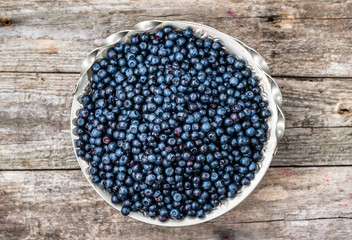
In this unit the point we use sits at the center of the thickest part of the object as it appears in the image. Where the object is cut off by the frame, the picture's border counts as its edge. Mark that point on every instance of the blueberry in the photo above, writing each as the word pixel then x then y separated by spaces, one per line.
pixel 79 131
pixel 102 73
pixel 245 181
pixel 221 190
pixel 207 207
pixel 95 179
pixel 245 161
pixel 206 185
pixel 93 171
pixel 169 43
pixel 264 113
pixel 197 192
pixel 148 192
pixel 250 131
pixel 216 45
pixel 256 156
pixel 101 103
pixel 151 214
pixel 96 67
pixel 174 213
pixel 188 32
pixel 200 213
pixel 118 47
pixel 80 153
pixel 108 183
pixel 132 63
pixel 123 190
pixel 249 176
pixel 80 122
pixel 221 111
pixel 111 53
pixel 142 70
pixel 125 211
pixel 193 52
pixel 162 218
pixel 177 197
pixel 239 64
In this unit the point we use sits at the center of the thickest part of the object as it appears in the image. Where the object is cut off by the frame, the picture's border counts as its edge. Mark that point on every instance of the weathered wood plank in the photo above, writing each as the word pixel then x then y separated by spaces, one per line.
pixel 338 229
pixel 309 203
pixel 34 125
pixel 316 102
pixel 315 146
pixel 314 9
pixel 297 38
pixel 35 109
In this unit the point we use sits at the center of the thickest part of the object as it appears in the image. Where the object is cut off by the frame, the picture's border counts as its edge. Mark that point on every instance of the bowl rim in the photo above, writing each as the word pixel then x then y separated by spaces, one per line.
pixel 269 91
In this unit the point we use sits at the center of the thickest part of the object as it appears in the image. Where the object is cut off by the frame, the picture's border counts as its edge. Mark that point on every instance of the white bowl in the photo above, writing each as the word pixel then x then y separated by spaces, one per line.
pixel 269 91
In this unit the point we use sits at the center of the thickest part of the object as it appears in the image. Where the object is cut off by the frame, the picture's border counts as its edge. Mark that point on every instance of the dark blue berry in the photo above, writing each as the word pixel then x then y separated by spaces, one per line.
pixel 174 213
pixel 111 53
pixel 80 122
pixel 177 197
pixel 188 32
pixel 200 213
pixel 96 67
pixel 125 211
pixel 239 64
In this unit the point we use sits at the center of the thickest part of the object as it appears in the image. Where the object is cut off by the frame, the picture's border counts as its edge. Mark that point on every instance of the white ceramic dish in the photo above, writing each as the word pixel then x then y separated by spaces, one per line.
pixel 269 88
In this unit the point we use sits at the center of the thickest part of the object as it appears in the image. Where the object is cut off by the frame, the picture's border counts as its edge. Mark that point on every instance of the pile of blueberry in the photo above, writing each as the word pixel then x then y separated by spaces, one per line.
pixel 173 124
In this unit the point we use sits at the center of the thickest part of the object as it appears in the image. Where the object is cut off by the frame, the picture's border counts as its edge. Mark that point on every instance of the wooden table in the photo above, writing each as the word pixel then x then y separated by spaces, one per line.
pixel 307 193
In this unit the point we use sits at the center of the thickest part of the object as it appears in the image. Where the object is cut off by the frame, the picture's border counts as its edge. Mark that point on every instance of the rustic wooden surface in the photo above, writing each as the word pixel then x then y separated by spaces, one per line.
pixel 307 194
pixel 292 198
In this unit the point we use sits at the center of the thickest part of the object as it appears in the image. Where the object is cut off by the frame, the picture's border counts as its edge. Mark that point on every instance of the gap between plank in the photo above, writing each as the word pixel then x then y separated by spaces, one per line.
pixel 310 166
pixel 78 169
pixel 285 220
pixel 164 17
pixel 304 78
pixel 313 127
pixel 39 170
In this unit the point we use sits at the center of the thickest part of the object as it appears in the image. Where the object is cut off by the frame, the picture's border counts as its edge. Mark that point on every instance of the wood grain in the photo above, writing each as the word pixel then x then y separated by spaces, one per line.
pixel 314 9
pixel 316 102
pixel 34 123
pixel 315 146
pixel 35 111
pixel 288 203
pixel 334 228
pixel 307 45
pixel 297 38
